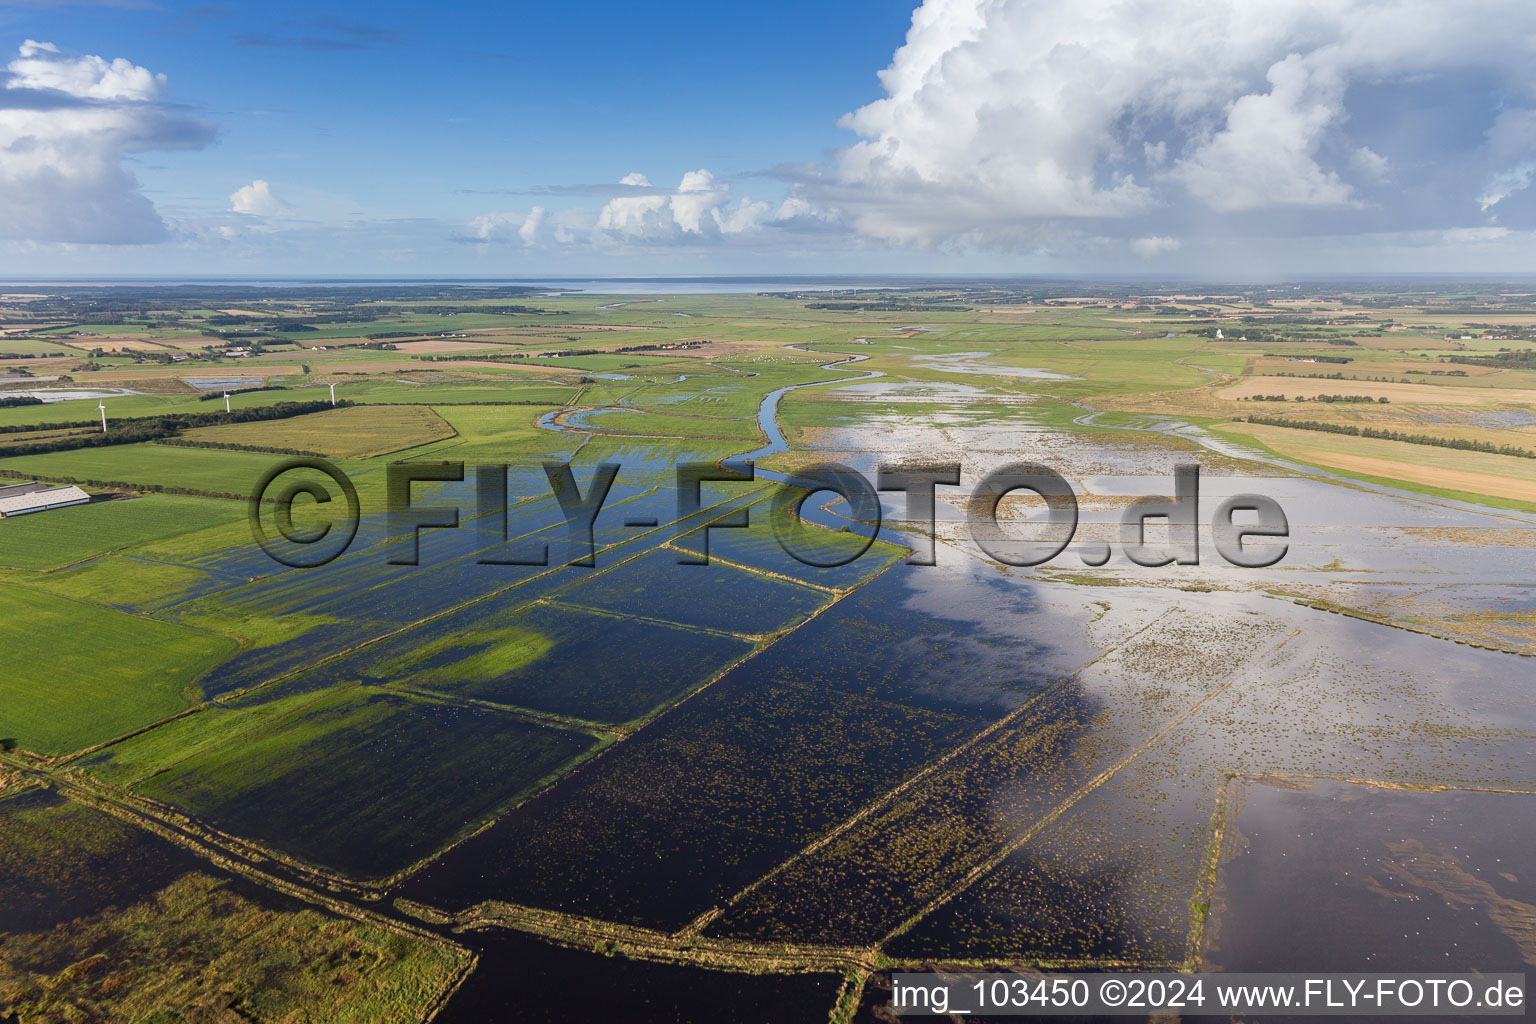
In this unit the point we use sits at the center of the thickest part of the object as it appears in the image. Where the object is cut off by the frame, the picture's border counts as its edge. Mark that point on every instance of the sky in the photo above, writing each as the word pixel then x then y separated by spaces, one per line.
pixel 1226 139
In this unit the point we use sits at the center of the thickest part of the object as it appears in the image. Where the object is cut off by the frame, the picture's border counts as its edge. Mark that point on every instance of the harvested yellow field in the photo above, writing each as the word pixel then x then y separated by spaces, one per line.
pixel 359 432
pixel 1415 394
pixel 1449 479
pixel 1500 476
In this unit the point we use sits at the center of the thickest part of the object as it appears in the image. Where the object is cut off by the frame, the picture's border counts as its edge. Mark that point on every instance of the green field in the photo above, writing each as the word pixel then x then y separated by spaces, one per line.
pixel 78 674
pixel 360 432
pixel 123 580
pixel 47 540
pixel 202 470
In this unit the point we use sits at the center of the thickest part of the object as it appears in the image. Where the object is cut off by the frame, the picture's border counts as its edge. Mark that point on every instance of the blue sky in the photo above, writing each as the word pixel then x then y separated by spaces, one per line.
pixel 402 106
pixel 860 137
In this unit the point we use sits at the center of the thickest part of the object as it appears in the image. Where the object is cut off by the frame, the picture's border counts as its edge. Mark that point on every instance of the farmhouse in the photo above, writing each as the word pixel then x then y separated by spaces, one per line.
pixel 19 499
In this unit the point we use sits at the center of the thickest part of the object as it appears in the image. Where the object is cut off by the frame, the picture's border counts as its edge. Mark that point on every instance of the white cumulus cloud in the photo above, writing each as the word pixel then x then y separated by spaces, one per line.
pixel 67 122
pixel 1008 121
pixel 501 226
pixel 699 208
pixel 529 229
pixel 256 200
pixel 697 194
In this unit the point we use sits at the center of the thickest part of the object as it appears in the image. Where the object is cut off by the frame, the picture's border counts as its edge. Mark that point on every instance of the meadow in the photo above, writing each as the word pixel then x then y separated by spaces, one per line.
pixel 360 432
pixel 69 535
pixel 80 673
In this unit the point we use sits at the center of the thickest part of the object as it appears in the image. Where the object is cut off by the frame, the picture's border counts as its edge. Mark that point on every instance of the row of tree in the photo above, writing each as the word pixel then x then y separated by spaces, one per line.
pixel 228 446
pixel 1524 358
pixel 1461 444
pixel 499 357
pixel 1319 398
pixel 121 485
pixel 156 428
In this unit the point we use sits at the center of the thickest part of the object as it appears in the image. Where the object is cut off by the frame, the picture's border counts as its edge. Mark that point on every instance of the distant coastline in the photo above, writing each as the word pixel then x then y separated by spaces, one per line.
pixel 589 285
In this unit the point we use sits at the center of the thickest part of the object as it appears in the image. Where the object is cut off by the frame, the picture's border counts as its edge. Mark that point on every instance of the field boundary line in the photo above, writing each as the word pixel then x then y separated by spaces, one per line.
pixel 986 866
pixel 920 777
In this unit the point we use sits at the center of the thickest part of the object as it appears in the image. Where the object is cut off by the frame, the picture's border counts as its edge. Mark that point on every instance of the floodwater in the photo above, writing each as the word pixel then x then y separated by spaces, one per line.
pixel 978 363
pixel 1321 875
pixel 217 383
pixel 71 394
pixel 521 978
pixel 1184 672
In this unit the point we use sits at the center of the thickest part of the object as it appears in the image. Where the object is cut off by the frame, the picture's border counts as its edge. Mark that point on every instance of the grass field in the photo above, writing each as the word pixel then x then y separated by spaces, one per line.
pixel 30 347
pixel 47 540
pixel 360 432
pixel 197 469
pixel 78 674
pixel 493 433
pixel 125 581
pixel 452 393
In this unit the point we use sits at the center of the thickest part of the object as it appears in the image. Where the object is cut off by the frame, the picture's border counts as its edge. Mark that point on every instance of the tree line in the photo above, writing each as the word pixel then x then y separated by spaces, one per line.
pixel 120 485
pixel 1319 398
pixel 1519 358
pixel 230 446
pixel 156 428
pixel 497 357
pixel 1461 444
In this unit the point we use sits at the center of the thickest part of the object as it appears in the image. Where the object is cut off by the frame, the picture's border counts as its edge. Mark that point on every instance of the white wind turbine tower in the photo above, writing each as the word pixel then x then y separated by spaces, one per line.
pixel 226 401
pixel 103 408
pixel 333 394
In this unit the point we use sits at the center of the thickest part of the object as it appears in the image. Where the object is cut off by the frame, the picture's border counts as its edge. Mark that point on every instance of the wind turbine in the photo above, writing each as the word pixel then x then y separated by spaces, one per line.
pixel 333 394
pixel 226 401
pixel 103 408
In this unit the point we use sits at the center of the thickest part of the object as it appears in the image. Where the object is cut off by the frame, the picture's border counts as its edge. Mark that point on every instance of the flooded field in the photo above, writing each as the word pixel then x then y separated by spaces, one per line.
pixel 565 982
pixel 367 782
pixel 1436 881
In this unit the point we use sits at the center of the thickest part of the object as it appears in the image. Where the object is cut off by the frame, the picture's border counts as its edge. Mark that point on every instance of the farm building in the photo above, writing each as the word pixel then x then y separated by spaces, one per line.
pixel 20 499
